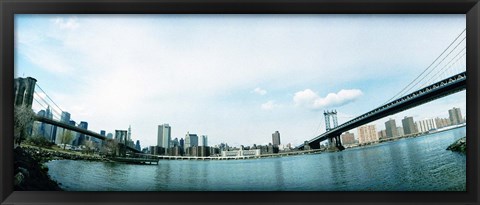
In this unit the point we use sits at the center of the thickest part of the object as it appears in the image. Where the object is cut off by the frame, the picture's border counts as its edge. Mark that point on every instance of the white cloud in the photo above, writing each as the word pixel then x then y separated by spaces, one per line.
pixel 309 99
pixel 260 91
pixel 270 105
pixel 69 23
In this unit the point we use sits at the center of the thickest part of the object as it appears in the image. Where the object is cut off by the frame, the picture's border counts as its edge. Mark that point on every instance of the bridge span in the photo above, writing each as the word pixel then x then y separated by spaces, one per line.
pixel 431 92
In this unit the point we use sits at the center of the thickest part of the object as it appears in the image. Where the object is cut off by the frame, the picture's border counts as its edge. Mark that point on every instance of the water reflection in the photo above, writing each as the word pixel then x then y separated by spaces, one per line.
pixel 420 163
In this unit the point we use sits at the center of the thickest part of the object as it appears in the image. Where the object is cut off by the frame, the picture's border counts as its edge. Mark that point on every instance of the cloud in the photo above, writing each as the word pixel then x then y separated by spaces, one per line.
pixel 270 105
pixel 312 100
pixel 68 24
pixel 260 91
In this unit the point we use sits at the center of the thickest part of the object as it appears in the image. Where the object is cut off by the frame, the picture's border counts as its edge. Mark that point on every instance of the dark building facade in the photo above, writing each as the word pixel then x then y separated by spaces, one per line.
pixel 391 128
pixel 409 126
pixel 455 116
pixel 276 138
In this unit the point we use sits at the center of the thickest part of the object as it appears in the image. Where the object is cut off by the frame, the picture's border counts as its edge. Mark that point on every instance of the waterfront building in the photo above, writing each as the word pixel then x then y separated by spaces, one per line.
pixel 241 153
pixel 182 143
pixel 391 128
pixel 24 89
pixel 191 140
pixel 442 122
pixel 455 116
pixel 276 138
pixel 400 131
pixel 382 134
pixel 204 140
pixel 367 134
pixel 426 125
pixel 347 138
pixel 409 126
pixel 164 136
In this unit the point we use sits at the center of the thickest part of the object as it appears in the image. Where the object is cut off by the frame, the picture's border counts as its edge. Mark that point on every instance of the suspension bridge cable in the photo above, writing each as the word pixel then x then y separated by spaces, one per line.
pixel 427 67
pixel 48 104
pixel 449 65
pixel 434 67
pixel 49 97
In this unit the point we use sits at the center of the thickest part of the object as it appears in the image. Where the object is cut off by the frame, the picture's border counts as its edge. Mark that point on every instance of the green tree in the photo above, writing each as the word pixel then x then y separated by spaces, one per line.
pixel 23 121
pixel 67 137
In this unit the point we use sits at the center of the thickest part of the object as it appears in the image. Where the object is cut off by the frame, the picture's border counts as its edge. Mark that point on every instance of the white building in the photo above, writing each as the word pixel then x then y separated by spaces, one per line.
pixel 426 125
pixel 164 136
pixel 241 153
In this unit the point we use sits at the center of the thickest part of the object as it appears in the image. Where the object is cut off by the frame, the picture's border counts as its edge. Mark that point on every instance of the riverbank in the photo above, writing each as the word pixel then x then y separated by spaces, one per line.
pixel 459 146
pixel 30 173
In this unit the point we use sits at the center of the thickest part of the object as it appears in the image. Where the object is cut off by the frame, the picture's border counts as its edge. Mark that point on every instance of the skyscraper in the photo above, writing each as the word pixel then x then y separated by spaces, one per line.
pixel 137 145
pixel 102 132
pixel 276 138
pixel 80 139
pixel 164 136
pixel 408 126
pixel 190 140
pixel 204 140
pixel 367 133
pixel 129 134
pixel 391 128
pixel 455 116
pixel 182 143
pixel 65 118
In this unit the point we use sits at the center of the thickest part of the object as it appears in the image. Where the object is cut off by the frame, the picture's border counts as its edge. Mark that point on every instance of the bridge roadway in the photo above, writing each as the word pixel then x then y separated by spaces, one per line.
pixel 434 91
pixel 79 130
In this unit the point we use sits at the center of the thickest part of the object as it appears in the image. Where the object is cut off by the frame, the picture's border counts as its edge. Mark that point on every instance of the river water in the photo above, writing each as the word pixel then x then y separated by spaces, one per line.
pixel 414 164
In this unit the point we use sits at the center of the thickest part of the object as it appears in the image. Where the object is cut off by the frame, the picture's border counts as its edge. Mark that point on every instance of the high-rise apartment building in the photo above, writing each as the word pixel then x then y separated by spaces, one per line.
pixel 409 126
pixel 455 116
pixel 190 140
pixel 164 136
pixel 426 125
pixel 442 122
pixel 347 138
pixel 276 138
pixel 367 133
pixel 391 128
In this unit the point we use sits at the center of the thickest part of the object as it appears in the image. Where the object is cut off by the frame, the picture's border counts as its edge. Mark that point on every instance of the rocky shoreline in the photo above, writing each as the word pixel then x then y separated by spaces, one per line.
pixel 30 173
pixel 459 146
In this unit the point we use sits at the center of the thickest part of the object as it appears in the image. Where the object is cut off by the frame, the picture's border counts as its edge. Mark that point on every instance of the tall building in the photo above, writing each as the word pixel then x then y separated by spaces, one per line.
pixel 190 140
pixel 102 132
pixel 367 133
pixel 137 145
pixel 24 89
pixel 400 131
pixel 80 138
pixel 110 135
pixel 391 128
pixel 182 143
pixel 65 118
pixel 455 116
pixel 204 140
pixel 409 126
pixel 129 134
pixel 347 138
pixel 276 138
pixel 426 125
pixel 164 136
pixel 442 122
pixel 50 130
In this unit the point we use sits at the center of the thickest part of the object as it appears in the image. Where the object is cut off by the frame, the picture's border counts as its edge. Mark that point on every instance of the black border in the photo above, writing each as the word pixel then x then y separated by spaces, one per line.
pixel 10 7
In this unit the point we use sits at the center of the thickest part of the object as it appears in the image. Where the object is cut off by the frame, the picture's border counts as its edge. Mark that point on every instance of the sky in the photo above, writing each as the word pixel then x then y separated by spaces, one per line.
pixel 235 78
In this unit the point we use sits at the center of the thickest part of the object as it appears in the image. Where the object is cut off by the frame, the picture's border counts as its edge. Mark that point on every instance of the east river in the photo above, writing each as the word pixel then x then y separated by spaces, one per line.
pixel 413 164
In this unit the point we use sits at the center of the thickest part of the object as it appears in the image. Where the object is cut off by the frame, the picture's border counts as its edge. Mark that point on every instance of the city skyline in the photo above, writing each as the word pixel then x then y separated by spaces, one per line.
pixel 218 93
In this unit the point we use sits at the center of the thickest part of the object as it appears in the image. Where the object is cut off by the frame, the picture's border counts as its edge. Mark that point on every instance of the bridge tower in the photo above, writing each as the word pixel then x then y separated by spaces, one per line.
pixel 334 141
